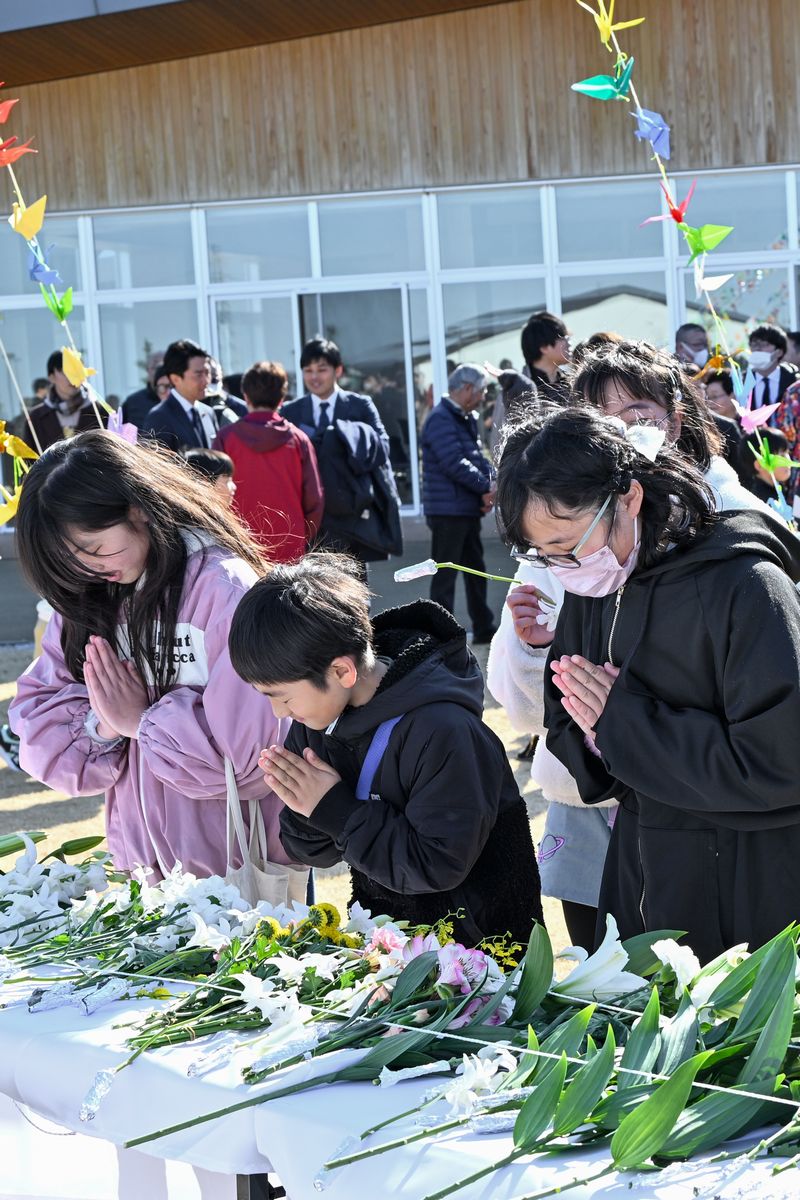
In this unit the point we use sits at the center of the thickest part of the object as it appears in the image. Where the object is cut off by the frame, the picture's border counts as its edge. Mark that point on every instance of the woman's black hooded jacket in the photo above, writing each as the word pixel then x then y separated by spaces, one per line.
pixel 445 827
pixel 698 737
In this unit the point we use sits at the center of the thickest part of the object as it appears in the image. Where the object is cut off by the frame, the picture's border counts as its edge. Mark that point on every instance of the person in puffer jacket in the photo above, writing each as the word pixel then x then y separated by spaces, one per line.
pixel 133 694
pixel 388 765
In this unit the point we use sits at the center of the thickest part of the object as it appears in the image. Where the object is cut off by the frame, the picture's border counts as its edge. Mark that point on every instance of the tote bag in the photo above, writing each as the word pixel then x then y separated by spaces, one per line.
pixel 257 878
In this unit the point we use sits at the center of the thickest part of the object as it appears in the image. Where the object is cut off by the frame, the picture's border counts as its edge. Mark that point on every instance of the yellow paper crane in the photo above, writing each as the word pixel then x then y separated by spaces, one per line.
pixel 28 220
pixel 8 509
pixel 13 445
pixel 73 367
pixel 604 20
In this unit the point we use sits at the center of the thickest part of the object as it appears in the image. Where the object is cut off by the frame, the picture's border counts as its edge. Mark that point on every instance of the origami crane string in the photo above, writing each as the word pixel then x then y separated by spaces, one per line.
pixel 652 127
pixel 20 397
pixel 27 221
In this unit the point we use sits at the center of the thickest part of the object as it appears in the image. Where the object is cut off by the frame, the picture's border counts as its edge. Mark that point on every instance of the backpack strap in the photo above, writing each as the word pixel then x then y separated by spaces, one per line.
pixel 372 760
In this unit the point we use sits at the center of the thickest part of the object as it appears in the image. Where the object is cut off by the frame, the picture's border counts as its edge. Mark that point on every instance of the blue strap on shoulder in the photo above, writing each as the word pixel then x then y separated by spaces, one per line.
pixel 372 760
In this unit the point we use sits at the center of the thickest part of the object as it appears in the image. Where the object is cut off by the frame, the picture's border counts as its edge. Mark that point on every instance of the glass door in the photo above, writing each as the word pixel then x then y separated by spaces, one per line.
pixel 254 328
pixel 371 328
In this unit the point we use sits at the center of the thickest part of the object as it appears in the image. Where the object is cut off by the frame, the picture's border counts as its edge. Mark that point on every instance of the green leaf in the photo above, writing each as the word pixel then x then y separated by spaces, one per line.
pixel 770 1050
pixel 739 982
pixel 537 1111
pixel 715 1118
pixel 616 1106
pixel 527 1065
pixel 412 977
pixel 778 966
pixel 586 1089
pixel 12 843
pixel 678 1038
pixel 536 976
pixel 66 304
pixel 80 845
pixel 488 1010
pixel 641 960
pixel 644 1131
pixel 566 1038
pixel 643 1045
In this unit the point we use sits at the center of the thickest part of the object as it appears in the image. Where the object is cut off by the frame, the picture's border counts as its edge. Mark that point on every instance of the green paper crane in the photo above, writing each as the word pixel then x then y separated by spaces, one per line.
pixel 769 461
pixel 705 238
pixel 608 87
pixel 60 306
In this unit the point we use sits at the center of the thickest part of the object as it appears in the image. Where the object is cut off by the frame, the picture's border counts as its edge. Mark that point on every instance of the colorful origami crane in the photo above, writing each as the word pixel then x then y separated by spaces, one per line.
pixel 608 87
pixel 769 461
pixel 604 20
pixel 123 429
pixel 708 283
pixel 60 306
pixel 706 238
pixel 652 128
pixel 743 393
pixel 8 509
pixel 778 505
pixel 11 444
pixel 5 109
pixel 74 368
pixel 40 272
pixel 10 151
pixel 27 220
pixel 676 211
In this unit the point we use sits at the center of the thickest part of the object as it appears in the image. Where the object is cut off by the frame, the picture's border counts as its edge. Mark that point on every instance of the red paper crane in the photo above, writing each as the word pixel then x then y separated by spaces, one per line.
pixel 6 107
pixel 10 151
pixel 676 211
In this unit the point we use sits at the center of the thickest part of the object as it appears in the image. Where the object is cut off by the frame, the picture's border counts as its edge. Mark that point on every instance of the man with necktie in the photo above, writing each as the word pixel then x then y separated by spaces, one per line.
pixel 777 382
pixel 182 421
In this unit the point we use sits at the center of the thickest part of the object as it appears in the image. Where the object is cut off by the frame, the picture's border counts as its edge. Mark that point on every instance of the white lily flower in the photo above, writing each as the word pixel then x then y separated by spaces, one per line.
pixel 257 993
pixel 207 937
pixel 359 920
pixel 681 959
pixel 601 976
pixel 476 1077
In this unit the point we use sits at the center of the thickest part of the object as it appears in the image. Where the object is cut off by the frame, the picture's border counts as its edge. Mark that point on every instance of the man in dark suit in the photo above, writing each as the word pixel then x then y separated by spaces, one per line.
pixel 183 421
pixel 65 410
pixel 361 514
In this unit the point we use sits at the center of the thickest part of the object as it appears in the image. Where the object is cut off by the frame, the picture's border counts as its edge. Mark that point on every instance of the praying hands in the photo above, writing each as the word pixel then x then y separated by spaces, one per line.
pixel 586 687
pixel 116 692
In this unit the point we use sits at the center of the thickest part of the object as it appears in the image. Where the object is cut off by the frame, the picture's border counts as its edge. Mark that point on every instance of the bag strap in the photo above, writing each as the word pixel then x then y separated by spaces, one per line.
pixel 376 751
pixel 254 848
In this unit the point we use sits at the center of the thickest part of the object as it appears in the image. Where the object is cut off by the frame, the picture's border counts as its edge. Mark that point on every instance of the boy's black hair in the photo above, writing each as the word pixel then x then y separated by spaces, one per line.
pixel 40 383
pixel 541 329
pixel 320 347
pixel 54 363
pixel 724 378
pixel 177 355
pixel 211 464
pixel 773 334
pixel 689 327
pixel 292 624
pixel 794 336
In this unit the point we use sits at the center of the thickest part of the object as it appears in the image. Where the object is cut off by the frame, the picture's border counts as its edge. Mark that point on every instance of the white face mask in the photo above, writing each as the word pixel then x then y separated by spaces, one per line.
pixel 760 359
pixel 700 357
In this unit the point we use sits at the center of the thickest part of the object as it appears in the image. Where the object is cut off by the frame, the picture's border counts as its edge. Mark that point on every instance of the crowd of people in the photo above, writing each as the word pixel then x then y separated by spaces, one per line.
pixel 211 644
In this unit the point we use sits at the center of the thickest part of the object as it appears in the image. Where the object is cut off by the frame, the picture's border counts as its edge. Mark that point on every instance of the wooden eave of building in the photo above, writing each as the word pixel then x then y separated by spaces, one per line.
pixel 167 32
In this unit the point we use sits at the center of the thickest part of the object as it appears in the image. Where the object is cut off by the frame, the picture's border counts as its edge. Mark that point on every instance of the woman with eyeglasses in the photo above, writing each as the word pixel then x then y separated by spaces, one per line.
pixel 643 387
pixel 672 677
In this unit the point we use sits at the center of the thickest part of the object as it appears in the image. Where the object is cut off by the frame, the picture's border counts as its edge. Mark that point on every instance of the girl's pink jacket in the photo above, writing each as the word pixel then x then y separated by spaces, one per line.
pixel 165 791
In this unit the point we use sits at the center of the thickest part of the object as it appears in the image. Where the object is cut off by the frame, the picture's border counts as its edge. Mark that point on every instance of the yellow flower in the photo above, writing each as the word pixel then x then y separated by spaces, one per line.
pixel 272 927
pixel 73 367
pixel 332 934
pixel 350 941
pixel 28 220
pixel 332 916
pixel 8 510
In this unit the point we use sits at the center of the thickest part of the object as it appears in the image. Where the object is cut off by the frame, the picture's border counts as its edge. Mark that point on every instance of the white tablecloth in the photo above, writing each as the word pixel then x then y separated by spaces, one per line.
pixel 48 1061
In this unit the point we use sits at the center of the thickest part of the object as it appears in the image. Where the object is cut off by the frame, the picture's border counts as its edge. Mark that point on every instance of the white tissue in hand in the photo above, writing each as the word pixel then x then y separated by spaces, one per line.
pixel 548 614
pixel 416 571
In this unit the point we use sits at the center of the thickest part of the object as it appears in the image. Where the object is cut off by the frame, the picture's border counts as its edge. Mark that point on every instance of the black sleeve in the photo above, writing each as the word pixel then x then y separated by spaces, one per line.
pixel 565 739
pixel 301 840
pixel 743 758
pixel 452 768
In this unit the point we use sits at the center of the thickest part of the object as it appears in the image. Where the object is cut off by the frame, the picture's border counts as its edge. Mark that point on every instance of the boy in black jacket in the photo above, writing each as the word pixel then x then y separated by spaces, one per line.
pixel 388 764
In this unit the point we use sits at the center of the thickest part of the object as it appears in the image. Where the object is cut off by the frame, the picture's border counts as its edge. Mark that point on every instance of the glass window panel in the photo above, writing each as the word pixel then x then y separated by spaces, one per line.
pixel 634 305
pixel 754 204
pixel 30 336
pixel 368 329
pixel 62 234
pixel 148 249
pixel 251 330
pixel 483 322
pixel 601 220
pixel 421 353
pixel 130 332
pixel 363 237
pixel 249 243
pixel 746 300
pixel 494 228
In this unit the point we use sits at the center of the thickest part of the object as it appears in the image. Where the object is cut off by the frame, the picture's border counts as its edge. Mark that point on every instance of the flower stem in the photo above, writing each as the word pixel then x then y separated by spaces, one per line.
pixel 397 1143
pixel 564 1187
pixel 476 1175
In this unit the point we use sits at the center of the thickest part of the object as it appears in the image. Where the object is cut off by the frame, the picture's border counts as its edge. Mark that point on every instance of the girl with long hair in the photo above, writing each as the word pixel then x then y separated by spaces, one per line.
pixel 672 677
pixel 134 694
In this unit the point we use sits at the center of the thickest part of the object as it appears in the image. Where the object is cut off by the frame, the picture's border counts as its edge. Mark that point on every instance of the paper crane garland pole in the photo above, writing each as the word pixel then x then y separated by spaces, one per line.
pixel 20 397
pixel 27 220
pixel 651 127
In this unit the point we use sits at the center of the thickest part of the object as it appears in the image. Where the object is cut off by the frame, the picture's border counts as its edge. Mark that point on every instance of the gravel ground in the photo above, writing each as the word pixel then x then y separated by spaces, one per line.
pixel 25 804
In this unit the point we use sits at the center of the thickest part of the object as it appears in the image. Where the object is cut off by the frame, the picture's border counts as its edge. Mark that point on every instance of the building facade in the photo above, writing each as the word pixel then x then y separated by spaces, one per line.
pixel 413 189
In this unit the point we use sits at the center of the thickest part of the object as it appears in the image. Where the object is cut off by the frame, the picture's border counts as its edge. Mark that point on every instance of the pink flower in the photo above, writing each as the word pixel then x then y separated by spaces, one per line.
pixel 461 968
pixel 386 940
pixel 420 945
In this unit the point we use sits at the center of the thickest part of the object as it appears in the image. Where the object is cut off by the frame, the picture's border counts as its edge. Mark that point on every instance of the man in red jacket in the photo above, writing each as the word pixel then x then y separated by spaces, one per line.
pixel 278 489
